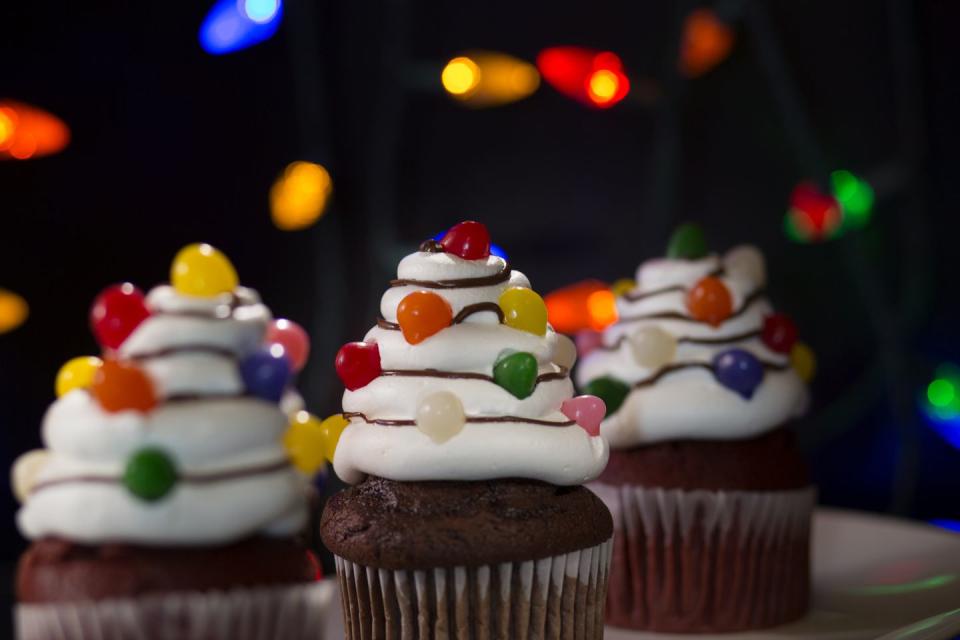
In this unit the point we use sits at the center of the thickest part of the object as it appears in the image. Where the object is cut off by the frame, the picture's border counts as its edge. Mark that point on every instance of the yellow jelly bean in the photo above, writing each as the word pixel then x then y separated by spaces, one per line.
pixel 803 361
pixel 304 442
pixel 524 309
pixel 77 374
pixel 332 429
pixel 622 286
pixel 201 270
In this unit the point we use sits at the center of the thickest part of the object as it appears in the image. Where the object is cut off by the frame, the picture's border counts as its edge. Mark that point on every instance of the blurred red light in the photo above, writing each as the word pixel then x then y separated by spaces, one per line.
pixel 592 77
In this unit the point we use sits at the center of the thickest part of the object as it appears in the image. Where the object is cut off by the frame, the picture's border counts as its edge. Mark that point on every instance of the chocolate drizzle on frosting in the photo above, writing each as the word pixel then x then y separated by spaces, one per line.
pixel 188 478
pixel 679 366
pixel 466 312
pixel 431 246
pixel 468 375
pixel 739 337
pixel 385 422
pixel 457 283
pixel 184 349
pixel 675 315
pixel 641 295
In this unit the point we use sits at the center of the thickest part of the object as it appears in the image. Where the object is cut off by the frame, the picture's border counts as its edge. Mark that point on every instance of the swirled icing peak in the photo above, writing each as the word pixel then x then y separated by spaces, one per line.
pixel 463 379
pixel 697 351
pixel 176 435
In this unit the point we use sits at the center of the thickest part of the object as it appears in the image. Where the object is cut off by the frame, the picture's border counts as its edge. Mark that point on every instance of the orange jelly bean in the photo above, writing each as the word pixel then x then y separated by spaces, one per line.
pixel 710 301
pixel 121 386
pixel 421 314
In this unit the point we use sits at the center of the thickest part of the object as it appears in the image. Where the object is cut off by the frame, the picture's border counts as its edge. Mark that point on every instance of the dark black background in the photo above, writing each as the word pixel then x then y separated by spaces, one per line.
pixel 172 145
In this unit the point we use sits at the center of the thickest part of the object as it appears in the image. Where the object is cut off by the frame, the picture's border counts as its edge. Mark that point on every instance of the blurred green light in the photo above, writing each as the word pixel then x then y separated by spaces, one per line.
pixel 854 195
pixel 941 392
pixel 792 229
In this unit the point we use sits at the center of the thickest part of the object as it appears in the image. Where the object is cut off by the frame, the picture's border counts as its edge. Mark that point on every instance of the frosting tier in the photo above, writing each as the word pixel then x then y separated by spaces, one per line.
pixel 503 434
pixel 682 398
pixel 233 478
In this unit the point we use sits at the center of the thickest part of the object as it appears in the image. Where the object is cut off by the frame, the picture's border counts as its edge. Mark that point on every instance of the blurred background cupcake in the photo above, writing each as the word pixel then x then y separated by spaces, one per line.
pixel 711 499
pixel 164 503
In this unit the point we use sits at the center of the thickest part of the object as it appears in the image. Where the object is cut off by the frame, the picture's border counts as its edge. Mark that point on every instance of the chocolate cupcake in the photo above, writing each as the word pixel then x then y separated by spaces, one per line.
pixel 710 497
pixel 165 504
pixel 466 453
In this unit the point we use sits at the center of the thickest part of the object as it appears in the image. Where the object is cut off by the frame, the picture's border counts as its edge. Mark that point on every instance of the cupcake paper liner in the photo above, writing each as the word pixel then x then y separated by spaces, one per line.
pixel 276 613
pixel 560 597
pixel 707 561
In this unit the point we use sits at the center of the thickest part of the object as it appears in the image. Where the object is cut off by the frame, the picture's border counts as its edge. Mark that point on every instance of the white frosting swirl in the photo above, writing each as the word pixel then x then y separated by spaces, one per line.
pixel 690 403
pixel 233 476
pixel 559 453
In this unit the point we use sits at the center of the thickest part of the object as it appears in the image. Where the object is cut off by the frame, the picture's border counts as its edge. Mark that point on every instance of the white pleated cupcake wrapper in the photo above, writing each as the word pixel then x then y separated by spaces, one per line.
pixel 277 613
pixel 707 560
pixel 560 598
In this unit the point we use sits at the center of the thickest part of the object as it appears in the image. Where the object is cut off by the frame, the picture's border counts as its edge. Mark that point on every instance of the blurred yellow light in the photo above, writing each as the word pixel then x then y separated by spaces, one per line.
pixel 300 195
pixel 13 311
pixel 7 127
pixel 604 85
pixel 489 78
pixel 461 76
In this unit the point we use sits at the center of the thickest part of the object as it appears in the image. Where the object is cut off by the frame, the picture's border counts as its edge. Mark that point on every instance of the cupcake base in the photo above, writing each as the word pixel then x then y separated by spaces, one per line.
pixel 557 597
pixel 707 561
pixel 57 570
pixel 276 613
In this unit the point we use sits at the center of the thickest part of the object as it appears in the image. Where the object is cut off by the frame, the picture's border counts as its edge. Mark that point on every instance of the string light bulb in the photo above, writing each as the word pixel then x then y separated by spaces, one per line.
pixel 30 132
pixel 707 41
pixel 232 25
pixel 299 197
pixel 595 78
pixel 488 79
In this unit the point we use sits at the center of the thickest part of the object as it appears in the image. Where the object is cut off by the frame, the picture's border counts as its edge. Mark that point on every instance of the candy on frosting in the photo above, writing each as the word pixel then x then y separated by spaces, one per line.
pixel 205 465
pixel 683 397
pixel 440 409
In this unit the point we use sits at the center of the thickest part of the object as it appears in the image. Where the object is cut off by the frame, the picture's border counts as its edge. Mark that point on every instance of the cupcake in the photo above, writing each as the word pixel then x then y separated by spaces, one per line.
pixel 710 498
pixel 165 504
pixel 466 452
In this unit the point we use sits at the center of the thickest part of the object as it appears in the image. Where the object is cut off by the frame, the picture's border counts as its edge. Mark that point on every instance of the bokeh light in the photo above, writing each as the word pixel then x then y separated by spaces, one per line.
pixel 13 311
pixel 30 132
pixel 855 197
pixel 707 41
pixel 596 78
pixel 461 76
pixel 602 306
pixel 261 11
pixel 941 403
pixel 489 79
pixel 813 216
pixel 232 25
pixel 300 195
pixel 573 308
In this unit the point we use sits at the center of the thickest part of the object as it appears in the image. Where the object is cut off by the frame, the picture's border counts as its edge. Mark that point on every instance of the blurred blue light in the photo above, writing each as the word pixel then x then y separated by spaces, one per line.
pixel 261 11
pixel 949 525
pixel 495 249
pixel 944 421
pixel 232 25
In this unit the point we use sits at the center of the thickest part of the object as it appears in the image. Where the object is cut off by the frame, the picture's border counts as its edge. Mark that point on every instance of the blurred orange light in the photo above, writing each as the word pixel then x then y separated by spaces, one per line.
pixel 602 307
pixel 706 42
pixel 489 79
pixel 27 132
pixel 13 311
pixel 300 195
pixel 569 309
